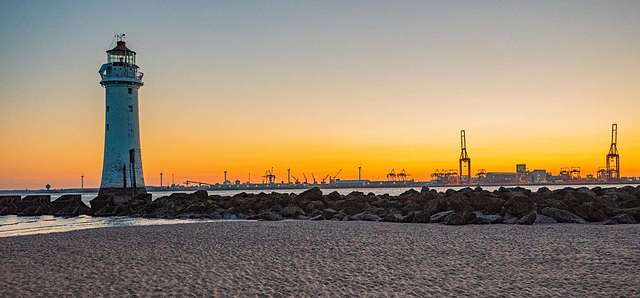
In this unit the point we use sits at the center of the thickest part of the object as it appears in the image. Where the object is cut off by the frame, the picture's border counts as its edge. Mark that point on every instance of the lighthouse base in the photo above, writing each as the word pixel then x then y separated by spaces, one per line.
pixel 122 195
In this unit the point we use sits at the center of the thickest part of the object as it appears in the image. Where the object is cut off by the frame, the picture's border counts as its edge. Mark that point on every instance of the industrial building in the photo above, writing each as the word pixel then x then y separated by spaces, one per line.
pixel 501 178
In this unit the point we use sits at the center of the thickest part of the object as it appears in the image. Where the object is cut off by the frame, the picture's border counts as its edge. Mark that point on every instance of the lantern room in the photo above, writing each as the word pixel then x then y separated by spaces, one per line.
pixel 121 65
pixel 121 55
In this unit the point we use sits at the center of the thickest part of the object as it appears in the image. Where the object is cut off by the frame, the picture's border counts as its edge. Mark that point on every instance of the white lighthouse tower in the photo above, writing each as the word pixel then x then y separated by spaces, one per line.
pixel 122 167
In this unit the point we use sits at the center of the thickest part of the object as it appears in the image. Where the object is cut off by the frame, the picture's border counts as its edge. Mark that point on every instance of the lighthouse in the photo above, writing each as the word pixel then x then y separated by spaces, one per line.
pixel 122 166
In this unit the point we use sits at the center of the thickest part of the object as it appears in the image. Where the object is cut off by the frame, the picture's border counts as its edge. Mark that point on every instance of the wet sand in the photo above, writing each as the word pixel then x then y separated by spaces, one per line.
pixel 302 258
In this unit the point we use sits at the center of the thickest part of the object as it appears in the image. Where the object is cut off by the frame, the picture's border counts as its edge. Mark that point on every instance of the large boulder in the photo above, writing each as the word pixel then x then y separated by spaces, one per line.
pixel 106 205
pixel 635 212
pixel 528 219
pixel 196 208
pixel 316 213
pixel 291 211
pixel 434 206
pixel 421 217
pixel 409 206
pixel 118 210
pixel 486 202
pixel 408 218
pixel 509 219
pixel 518 205
pixel 455 218
pixel 440 216
pixel 102 201
pixel 562 215
pixel 314 205
pixel 543 219
pixel 329 213
pixel 393 217
pixel 263 202
pixel 270 216
pixel 429 194
pixel 480 221
pixel 34 205
pixel 458 202
pixel 141 204
pixel 583 202
pixel 586 192
pixel 312 194
pixel 140 200
pixel 318 217
pixel 9 205
pixel 366 217
pixel 354 205
pixel 491 218
pixel 424 190
pixel 625 198
pixel 340 216
pixel 410 193
pixel 622 218
pixel 70 205
pixel 593 211
pixel 543 189
pixel 230 216
pixel 200 194
pixel 334 196
pixel 459 218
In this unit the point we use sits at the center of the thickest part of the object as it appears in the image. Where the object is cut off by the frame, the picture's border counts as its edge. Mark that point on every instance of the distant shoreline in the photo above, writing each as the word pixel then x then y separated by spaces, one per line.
pixel 290 186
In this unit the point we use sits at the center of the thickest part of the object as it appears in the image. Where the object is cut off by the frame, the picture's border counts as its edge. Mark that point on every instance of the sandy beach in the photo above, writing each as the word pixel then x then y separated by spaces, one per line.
pixel 302 258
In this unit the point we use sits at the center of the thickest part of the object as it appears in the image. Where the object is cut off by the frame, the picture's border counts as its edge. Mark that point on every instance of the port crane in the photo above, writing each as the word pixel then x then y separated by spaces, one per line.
pixel 269 177
pixel 296 179
pixel 402 176
pixel 446 176
pixel 602 173
pixel 324 180
pixel 197 182
pixel 451 173
pixel 574 174
pixel 305 178
pixel 314 178
pixel 335 177
pixel 392 175
pixel 613 157
pixel 465 161
pixel 482 173
pixel 437 174
pixel 565 173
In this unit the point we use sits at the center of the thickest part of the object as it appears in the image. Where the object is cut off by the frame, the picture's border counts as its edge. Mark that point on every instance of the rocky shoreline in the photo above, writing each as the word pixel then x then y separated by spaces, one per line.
pixel 453 207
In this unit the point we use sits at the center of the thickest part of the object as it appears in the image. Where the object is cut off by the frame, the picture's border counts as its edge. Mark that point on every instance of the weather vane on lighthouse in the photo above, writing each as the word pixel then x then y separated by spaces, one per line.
pixel 122 167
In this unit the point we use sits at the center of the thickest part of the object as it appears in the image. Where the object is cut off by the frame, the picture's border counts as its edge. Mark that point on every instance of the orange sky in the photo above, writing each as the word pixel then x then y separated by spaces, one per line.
pixel 317 89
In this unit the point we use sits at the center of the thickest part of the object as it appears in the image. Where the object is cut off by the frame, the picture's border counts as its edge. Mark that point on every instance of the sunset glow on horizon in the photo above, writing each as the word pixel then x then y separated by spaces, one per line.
pixel 319 87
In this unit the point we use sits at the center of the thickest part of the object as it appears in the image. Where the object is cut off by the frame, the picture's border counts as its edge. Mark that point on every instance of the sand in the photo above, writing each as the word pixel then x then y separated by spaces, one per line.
pixel 301 258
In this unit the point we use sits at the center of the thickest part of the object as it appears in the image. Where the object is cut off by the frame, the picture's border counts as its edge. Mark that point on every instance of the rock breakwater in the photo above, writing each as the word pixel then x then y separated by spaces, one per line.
pixel 453 207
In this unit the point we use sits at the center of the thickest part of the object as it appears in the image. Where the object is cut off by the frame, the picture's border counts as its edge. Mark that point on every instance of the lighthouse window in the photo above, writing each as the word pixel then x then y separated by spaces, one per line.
pixel 130 108
pixel 130 90
pixel 107 126
pixel 107 109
